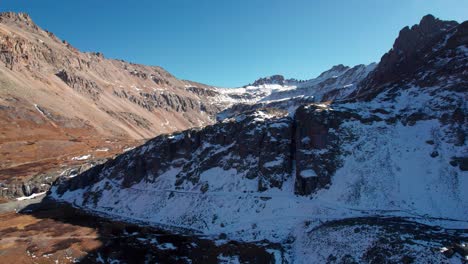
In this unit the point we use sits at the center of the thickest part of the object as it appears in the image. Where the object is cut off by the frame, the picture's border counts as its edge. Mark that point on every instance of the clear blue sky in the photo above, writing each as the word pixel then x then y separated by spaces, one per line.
pixel 231 43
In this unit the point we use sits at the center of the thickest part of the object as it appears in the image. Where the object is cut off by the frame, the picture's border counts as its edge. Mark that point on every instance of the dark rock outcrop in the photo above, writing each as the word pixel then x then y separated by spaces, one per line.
pixel 317 147
pixel 256 146
pixel 266 146
pixel 417 55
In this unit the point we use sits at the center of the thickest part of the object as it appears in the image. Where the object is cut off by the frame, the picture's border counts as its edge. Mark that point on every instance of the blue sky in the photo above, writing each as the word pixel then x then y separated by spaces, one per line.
pixel 232 43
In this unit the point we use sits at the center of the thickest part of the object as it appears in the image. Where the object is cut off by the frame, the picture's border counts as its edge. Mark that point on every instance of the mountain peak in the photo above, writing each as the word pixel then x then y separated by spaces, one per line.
pixel 412 49
pixel 339 67
pixel 336 70
pixel 411 39
pixel 273 79
pixel 15 17
pixel 22 20
pixel 429 18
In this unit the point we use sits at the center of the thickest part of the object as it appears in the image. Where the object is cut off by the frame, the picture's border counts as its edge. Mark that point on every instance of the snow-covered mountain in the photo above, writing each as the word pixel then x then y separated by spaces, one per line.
pixel 363 179
pixel 275 91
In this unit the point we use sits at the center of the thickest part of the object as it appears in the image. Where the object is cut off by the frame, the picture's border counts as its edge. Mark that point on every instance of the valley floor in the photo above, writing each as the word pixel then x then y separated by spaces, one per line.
pixel 45 231
pixel 50 232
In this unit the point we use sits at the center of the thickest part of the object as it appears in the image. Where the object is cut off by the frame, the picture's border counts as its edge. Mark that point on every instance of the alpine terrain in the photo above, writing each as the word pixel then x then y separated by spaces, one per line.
pixel 363 164
pixel 374 167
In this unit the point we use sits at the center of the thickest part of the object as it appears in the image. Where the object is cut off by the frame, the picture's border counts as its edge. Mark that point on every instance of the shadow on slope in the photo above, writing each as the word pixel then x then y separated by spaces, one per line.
pixel 64 233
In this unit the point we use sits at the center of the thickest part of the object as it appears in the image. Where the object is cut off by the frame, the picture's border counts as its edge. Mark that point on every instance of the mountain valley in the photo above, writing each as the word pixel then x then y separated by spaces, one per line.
pixel 363 164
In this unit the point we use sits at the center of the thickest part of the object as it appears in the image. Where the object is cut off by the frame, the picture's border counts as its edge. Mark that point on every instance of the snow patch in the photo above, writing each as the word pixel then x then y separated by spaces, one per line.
pixel 32 196
pixel 309 173
pixel 84 157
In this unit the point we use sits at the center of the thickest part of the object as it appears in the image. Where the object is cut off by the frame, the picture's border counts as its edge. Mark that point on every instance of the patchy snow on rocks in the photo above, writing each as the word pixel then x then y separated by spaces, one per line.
pixel 83 157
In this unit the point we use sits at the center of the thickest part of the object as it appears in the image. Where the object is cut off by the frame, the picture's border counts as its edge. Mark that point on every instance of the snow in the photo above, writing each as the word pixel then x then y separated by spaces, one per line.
pixel 32 196
pixel 443 249
pixel 261 116
pixel 128 149
pixel 228 259
pixel 218 177
pixel 102 150
pixel 387 171
pixel 278 161
pixel 176 137
pixel 314 88
pixel 279 125
pixel 39 110
pixel 277 255
pixel 84 157
pixel 392 169
pixel 309 173
pixel 354 243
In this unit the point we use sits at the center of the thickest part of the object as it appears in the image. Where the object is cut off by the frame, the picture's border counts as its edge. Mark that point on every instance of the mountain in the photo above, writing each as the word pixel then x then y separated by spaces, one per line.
pixel 433 47
pixel 63 111
pixel 60 107
pixel 334 84
pixel 377 174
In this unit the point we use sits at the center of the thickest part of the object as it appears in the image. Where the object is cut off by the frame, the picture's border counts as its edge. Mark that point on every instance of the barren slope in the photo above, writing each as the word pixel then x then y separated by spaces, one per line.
pixel 57 103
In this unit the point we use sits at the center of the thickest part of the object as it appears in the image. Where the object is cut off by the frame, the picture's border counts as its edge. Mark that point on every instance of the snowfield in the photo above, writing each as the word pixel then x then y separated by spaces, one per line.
pixel 387 173
pixel 389 170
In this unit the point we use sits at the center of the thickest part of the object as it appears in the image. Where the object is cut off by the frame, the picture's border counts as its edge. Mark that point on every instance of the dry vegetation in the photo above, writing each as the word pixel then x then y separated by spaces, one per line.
pixel 30 239
pixel 54 232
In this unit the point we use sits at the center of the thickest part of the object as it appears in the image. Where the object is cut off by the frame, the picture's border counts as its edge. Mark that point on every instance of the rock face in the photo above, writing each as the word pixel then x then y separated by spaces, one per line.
pixel 426 47
pixel 86 87
pixel 243 144
pixel 317 147
pixel 264 146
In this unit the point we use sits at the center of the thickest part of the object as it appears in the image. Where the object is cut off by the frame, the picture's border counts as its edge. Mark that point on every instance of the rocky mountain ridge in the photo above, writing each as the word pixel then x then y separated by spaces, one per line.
pixel 426 47
pixel 334 84
pixel 58 104
pixel 302 175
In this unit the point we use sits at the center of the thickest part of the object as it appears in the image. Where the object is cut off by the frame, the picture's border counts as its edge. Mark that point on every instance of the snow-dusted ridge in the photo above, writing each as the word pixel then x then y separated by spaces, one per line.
pixel 332 85
pixel 399 179
pixel 391 165
pixel 388 170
